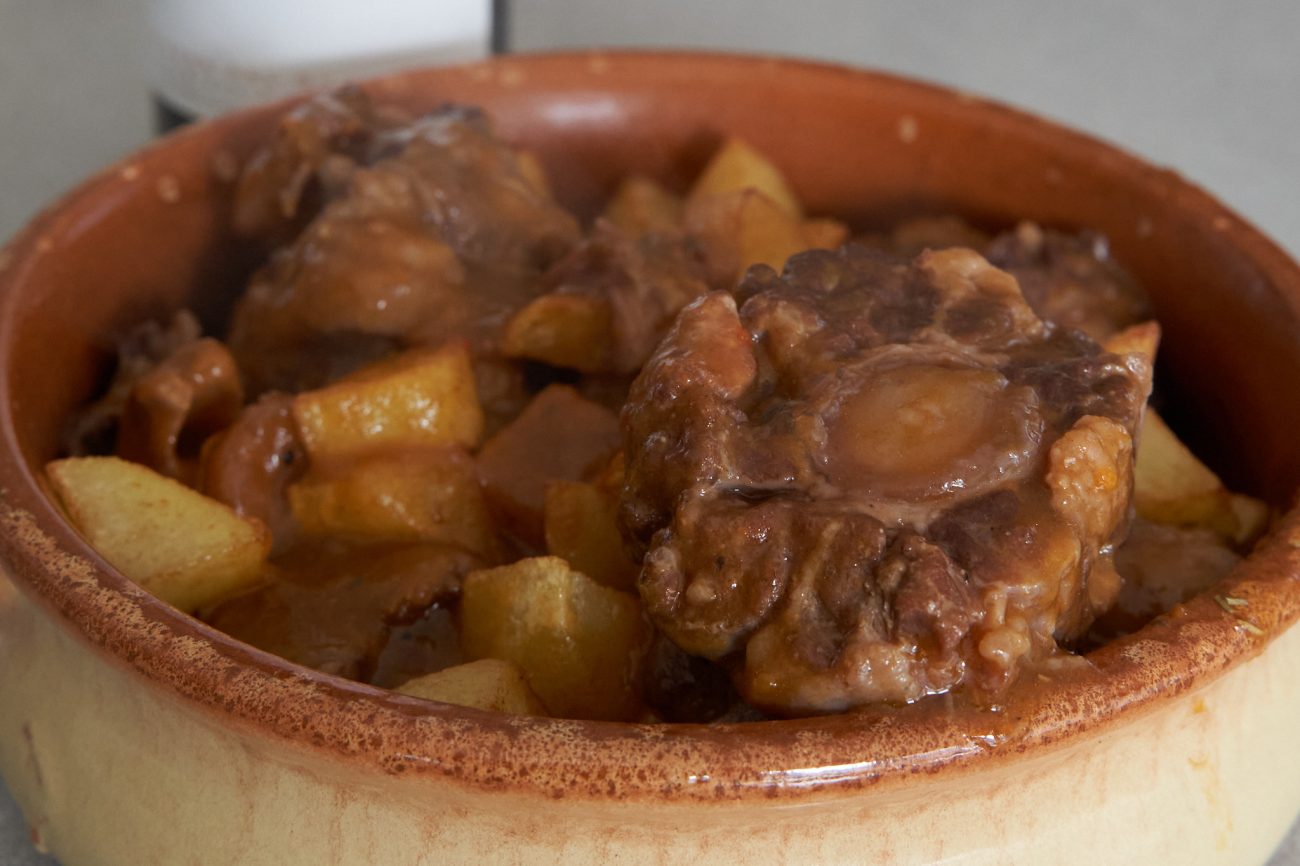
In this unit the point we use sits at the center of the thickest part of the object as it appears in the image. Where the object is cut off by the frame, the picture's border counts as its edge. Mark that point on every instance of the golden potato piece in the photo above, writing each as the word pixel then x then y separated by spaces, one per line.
pixel 744 228
pixel 737 167
pixel 422 495
pixel 185 548
pixel 1172 486
pixel 640 206
pixel 560 435
pixel 534 173
pixel 419 398
pixel 578 643
pixel 581 524
pixel 1252 518
pixel 824 233
pixel 573 331
pixel 487 684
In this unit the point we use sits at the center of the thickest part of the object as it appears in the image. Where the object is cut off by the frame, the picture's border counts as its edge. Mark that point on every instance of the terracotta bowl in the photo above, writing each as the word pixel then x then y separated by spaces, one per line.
pixel 132 734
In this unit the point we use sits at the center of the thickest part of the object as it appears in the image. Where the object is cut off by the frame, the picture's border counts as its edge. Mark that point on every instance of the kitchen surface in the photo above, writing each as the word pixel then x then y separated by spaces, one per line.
pixel 1208 90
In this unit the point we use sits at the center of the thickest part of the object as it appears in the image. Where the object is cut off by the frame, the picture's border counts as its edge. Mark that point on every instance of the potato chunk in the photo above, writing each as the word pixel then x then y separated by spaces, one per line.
pixel 425 495
pixel 640 206
pixel 747 227
pixel 563 330
pixel 185 548
pixel 487 684
pixel 578 643
pixel 582 528
pixel 419 398
pixel 736 167
pixel 560 435
pixel 1172 486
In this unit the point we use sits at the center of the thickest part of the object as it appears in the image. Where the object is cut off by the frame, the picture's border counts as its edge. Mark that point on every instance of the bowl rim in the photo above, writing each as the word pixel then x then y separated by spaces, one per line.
pixel 380 731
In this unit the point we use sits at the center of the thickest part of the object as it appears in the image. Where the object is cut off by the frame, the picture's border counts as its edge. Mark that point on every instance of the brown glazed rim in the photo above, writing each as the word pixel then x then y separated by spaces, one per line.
pixel 372 730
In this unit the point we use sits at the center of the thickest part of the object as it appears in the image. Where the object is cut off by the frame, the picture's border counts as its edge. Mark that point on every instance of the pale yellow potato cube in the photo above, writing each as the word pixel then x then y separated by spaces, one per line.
pixel 486 684
pixel 579 644
pixel 1172 486
pixel 1252 518
pixel 184 547
pixel 738 166
pixel 573 331
pixel 640 206
pixel 581 524
pixel 424 495
pixel 422 397
pixel 739 229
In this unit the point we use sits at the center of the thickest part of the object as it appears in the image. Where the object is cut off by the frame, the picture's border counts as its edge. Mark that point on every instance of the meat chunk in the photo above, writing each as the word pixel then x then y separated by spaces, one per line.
pixel 911 237
pixel 873 480
pixel 1071 280
pixel 170 410
pixel 140 350
pixel 559 436
pixel 441 235
pixel 332 606
pixel 251 464
pixel 314 150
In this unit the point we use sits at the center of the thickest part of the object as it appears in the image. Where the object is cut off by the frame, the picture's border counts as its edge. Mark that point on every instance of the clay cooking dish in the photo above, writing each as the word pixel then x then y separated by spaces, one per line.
pixel 133 734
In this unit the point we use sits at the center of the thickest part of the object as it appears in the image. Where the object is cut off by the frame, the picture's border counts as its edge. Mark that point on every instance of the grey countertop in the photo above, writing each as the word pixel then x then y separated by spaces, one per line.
pixel 1208 89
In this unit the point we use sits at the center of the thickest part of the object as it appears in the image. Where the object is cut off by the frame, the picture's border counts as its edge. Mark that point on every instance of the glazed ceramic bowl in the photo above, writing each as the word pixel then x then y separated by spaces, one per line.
pixel 132 734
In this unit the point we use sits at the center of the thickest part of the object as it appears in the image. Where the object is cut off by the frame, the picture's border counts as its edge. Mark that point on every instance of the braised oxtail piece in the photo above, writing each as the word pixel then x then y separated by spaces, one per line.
pixel 866 480
pixel 423 233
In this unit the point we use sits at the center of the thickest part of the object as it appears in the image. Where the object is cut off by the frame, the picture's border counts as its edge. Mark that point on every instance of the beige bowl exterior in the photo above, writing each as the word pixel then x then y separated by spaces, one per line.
pixel 131 734
pixel 112 769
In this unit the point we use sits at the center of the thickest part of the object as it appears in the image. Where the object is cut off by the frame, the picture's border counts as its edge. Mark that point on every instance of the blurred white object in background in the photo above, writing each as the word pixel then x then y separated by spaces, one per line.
pixel 211 56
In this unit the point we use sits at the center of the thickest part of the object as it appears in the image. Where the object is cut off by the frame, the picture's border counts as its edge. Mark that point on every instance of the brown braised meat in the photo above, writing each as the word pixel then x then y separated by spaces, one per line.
pixel 876 481
pixel 312 154
pixel 446 236
pixel 251 463
pixel 172 390
pixel 331 606
pixel 1070 280
pixel 685 688
pixel 170 410
pixel 559 436
pixel 911 237
pixel 139 351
